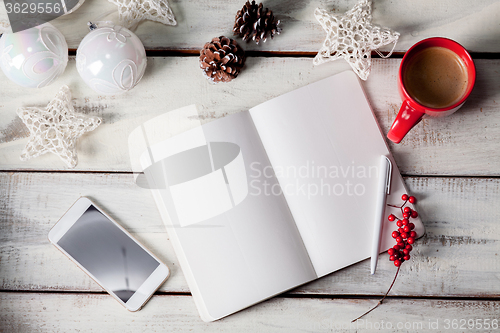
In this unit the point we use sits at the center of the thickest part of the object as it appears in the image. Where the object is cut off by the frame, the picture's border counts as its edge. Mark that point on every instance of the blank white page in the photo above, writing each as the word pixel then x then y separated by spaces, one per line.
pixel 236 245
pixel 325 145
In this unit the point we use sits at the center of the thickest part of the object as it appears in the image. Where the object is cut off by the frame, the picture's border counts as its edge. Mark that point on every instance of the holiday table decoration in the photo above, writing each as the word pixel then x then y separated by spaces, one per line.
pixel 132 12
pixel 111 59
pixel 254 22
pixel 222 59
pixel 352 36
pixel 405 237
pixel 56 128
pixel 34 57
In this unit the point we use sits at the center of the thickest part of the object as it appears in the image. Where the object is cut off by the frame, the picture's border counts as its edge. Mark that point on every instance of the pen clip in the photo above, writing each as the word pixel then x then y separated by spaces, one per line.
pixel 389 176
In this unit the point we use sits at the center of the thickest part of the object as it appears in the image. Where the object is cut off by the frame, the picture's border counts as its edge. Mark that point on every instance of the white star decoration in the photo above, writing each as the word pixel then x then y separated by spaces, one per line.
pixel 353 37
pixel 56 128
pixel 134 11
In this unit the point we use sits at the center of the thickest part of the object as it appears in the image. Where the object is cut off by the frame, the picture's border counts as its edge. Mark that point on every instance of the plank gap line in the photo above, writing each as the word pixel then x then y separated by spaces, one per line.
pixel 131 173
pixel 283 54
pixel 494 298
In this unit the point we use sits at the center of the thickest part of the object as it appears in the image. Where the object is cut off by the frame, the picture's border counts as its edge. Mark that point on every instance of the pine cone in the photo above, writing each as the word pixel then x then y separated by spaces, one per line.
pixel 254 22
pixel 222 59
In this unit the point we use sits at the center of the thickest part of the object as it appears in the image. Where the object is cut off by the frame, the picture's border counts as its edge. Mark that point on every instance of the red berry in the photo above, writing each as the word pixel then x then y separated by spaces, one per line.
pixel 411 225
pixel 405 251
pixel 406 215
pixel 390 252
pixel 399 223
pixel 399 239
pixel 414 214
pixel 406 257
pixel 391 217
pixel 395 234
pixel 408 247
pixel 396 247
pixel 404 197
pixel 407 228
pixel 392 258
pixel 407 210
pixel 405 221
pixel 412 199
pixel 404 235
pixel 413 234
pixel 401 245
pixel 410 240
pixel 400 230
pixel 397 263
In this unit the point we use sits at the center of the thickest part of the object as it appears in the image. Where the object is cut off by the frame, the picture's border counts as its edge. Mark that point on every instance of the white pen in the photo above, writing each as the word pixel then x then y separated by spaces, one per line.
pixel 383 189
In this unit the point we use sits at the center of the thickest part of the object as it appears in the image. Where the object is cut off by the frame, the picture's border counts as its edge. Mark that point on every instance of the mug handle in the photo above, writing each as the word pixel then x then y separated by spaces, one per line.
pixel 405 120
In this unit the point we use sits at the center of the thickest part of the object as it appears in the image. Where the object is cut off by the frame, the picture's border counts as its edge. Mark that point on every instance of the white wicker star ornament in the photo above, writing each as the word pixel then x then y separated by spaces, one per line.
pixel 352 36
pixel 132 12
pixel 56 128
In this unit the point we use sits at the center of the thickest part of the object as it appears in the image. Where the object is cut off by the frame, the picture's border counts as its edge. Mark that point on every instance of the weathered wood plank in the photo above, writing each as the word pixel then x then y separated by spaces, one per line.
pixel 461 246
pixel 472 23
pixel 466 143
pixel 33 312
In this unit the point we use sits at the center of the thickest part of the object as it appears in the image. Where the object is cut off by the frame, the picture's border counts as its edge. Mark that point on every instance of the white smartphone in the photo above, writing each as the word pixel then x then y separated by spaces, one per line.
pixel 108 254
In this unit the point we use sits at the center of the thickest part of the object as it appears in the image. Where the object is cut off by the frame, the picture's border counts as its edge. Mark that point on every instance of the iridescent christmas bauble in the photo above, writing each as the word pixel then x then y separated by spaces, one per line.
pixel 111 59
pixel 34 57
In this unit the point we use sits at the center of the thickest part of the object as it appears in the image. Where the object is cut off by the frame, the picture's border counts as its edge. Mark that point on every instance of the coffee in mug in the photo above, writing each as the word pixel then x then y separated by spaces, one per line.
pixel 436 76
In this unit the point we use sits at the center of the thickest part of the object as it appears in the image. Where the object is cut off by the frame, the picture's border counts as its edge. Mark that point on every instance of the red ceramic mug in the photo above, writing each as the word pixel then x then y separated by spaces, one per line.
pixel 414 108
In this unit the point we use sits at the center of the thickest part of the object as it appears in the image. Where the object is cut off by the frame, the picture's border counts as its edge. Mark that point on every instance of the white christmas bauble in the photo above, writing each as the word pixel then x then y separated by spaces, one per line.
pixel 34 57
pixel 111 59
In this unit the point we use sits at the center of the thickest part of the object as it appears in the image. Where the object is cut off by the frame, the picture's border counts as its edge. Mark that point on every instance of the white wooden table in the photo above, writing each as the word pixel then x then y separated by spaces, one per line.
pixel 452 165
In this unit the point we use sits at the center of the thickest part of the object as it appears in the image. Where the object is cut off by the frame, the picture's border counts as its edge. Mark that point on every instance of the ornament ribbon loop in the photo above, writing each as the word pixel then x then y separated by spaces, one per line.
pixel 390 52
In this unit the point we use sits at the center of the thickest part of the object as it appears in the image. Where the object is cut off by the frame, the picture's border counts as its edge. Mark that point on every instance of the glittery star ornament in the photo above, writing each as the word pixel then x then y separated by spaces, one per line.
pixel 352 36
pixel 56 128
pixel 132 12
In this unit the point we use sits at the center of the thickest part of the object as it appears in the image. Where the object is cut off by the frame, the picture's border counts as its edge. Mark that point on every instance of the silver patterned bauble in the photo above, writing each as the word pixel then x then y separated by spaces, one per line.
pixel 111 59
pixel 34 57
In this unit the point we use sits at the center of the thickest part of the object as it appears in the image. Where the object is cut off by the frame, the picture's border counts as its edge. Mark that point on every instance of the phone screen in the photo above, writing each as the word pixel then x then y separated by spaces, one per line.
pixel 108 253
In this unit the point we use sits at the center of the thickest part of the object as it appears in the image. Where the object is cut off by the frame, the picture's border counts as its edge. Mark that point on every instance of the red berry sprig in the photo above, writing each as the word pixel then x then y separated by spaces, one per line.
pixel 404 236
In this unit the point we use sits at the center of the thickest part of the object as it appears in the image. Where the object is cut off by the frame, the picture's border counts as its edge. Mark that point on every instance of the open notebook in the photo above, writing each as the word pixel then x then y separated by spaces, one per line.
pixel 262 201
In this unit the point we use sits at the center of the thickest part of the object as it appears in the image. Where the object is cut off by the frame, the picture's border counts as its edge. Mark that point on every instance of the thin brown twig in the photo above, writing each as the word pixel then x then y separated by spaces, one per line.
pixel 394 206
pixel 400 207
pixel 379 302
